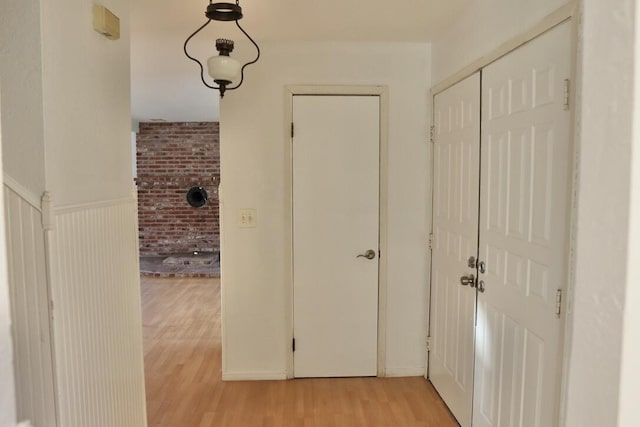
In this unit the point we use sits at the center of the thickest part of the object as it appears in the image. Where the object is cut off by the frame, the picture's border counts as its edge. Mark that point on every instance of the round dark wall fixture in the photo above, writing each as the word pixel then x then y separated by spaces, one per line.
pixel 197 197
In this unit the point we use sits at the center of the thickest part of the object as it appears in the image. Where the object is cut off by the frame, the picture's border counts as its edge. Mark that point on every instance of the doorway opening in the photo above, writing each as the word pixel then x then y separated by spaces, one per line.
pixel 177 173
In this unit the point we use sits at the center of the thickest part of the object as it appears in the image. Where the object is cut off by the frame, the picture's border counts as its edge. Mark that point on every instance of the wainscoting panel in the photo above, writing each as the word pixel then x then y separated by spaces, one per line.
pixel 97 317
pixel 29 293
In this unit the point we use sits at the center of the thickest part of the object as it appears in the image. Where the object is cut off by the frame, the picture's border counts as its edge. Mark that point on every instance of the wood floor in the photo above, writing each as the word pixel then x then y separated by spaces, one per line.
pixel 182 347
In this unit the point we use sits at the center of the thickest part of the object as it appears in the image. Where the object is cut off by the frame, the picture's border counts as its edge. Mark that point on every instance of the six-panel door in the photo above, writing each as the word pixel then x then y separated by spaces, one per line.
pixel 524 199
pixel 524 217
pixel 455 239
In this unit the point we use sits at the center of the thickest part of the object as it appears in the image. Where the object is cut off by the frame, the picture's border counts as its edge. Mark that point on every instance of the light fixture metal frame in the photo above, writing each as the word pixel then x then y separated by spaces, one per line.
pixel 222 12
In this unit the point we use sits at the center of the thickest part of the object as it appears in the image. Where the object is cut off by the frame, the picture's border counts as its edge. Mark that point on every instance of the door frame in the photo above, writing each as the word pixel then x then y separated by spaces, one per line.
pixel 382 92
pixel 569 13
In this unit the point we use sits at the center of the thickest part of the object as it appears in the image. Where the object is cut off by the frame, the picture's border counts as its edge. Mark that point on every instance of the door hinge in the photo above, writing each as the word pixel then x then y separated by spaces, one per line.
pixel 567 94
pixel 292 130
pixel 432 136
pixel 428 343
pixel 559 303
pixel 430 242
pixel 293 344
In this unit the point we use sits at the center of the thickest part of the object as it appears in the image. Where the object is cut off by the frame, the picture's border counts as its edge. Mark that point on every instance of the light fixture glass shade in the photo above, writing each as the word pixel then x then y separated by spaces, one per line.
pixel 223 68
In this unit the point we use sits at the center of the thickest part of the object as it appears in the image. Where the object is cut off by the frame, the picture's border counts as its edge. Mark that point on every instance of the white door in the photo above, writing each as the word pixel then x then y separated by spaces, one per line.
pixel 455 240
pixel 524 205
pixel 335 221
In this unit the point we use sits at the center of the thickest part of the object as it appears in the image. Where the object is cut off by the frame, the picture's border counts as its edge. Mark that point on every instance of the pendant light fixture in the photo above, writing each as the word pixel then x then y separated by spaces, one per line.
pixel 224 70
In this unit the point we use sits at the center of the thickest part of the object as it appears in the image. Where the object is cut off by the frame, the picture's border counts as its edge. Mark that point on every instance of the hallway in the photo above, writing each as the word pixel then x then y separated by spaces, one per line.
pixel 182 351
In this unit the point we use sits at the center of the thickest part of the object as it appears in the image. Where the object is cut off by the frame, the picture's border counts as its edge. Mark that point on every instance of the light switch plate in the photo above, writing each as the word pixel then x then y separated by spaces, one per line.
pixel 247 218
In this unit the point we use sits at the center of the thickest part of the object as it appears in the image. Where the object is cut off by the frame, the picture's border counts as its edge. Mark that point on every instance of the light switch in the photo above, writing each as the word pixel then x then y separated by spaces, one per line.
pixel 247 218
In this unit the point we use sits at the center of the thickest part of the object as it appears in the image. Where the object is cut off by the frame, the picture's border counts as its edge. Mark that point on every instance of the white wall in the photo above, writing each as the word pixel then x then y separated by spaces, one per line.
pixel 605 143
pixel 95 284
pixel 134 158
pixel 29 299
pixel 182 98
pixel 255 279
pixel 23 160
pixel 630 369
pixel 96 293
pixel 87 112
pixel 7 390
pixel 481 27
pixel 69 116
pixel 21 70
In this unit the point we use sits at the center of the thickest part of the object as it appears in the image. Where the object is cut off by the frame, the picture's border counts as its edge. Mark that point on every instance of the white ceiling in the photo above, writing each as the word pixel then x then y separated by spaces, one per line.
pixel 165 84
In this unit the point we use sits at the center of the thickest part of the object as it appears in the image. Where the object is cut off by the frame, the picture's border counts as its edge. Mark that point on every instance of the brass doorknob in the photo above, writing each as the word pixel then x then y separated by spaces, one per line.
pixel 469 280
pixel 370 254
pixel 481 286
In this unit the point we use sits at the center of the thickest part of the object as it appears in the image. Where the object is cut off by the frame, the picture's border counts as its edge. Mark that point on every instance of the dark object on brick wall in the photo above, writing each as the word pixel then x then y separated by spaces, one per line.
pixel 197 197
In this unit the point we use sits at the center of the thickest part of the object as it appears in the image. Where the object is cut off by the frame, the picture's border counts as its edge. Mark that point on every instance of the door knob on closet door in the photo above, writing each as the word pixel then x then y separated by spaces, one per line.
pixel 482 267
pixel 370 254
pixel 481 286
pixel 469 280
pixel 472 262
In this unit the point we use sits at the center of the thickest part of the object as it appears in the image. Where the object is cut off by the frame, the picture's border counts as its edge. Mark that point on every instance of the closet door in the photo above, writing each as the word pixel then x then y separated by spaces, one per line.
pixel 524 200
pixel 455 240
pixel 336 227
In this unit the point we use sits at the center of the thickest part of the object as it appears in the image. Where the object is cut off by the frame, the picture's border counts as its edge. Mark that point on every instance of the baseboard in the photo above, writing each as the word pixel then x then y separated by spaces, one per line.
pixel 412 371
pixel 254 376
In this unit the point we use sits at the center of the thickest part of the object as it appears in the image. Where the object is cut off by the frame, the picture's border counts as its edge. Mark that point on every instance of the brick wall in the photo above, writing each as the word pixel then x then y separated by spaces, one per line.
pixel 173 157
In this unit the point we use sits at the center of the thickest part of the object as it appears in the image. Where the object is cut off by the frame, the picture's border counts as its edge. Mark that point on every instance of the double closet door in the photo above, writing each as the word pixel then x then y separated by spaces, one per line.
pixel 502 169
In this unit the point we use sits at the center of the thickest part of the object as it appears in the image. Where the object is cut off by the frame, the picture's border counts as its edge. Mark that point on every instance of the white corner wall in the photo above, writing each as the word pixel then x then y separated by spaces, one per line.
pixel 69 120
pixel 21 70
pixel 605 135
pixel 7 387
pixel 29 299
pixel 483 26
pixel 630 369
pixel 87 108
pixel 95 283
pixel 255 281
pixel 97 320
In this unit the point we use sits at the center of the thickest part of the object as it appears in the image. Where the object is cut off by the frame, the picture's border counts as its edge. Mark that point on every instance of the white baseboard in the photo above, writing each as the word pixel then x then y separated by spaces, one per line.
pixel 254 376
pixel 412 371
pixel 417 371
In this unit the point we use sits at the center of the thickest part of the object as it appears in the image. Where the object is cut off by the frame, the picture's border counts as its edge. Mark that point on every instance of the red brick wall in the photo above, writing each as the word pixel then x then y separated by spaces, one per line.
pixel 173 157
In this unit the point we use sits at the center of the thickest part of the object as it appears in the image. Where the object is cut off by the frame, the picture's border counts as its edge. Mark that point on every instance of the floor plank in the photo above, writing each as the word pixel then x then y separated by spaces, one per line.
pixel 182 353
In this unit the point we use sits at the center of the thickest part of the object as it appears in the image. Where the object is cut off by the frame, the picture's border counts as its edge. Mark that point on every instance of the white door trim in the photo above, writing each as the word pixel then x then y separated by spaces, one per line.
pixel 383 93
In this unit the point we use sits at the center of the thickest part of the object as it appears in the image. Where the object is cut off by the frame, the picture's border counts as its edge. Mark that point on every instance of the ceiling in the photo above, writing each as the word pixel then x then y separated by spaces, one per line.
pixel 165 84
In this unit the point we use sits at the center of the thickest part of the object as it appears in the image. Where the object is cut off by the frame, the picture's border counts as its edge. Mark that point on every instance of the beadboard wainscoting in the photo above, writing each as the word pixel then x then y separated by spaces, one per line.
pixel 29 295
pixel 97 316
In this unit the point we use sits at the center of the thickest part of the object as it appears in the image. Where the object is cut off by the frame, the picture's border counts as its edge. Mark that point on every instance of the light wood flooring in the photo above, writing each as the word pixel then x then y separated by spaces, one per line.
pixel 182 354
